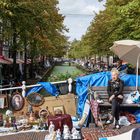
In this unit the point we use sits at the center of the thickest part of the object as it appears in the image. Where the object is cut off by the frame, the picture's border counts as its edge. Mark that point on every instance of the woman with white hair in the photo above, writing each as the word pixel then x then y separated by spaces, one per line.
pixel 114 89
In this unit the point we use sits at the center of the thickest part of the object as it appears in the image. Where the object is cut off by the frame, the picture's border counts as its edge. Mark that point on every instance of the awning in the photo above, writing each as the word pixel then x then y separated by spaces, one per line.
pixel 4 60
pixel 18 61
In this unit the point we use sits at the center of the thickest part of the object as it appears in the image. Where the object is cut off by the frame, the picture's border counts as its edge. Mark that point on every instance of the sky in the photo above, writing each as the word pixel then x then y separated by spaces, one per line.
pixel 78 15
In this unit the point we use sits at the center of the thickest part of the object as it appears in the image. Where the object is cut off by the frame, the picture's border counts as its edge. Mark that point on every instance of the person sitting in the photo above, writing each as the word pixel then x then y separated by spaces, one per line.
pixel 114 89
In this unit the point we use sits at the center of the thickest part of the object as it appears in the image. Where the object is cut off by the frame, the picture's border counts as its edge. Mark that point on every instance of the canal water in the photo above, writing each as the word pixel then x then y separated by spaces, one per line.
pixel 66 69
pixel 63 72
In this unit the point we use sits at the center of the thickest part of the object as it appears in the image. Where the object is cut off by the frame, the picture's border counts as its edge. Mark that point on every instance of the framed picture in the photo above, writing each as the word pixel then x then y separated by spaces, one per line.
pixel 3 101
pixel 17 101
pixel 58 110
pixel 35 99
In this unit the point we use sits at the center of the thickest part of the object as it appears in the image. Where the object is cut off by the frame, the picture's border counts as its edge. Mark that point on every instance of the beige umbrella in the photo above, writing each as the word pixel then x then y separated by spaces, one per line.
pixel 128 50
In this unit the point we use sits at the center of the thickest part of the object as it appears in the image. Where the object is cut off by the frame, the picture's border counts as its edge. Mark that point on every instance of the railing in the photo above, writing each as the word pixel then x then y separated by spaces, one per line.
pixel 24 86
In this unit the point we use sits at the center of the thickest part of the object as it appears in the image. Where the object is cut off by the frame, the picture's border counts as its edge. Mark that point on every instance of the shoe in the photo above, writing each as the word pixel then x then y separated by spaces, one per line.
pixel 100 101
pixel 109 122
pixel 117 126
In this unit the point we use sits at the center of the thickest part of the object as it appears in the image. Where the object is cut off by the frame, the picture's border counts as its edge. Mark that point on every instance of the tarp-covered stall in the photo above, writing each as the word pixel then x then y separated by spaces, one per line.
pixel 97 79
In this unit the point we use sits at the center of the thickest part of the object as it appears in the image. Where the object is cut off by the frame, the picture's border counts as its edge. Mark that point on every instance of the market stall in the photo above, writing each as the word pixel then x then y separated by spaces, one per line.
pixel 34 114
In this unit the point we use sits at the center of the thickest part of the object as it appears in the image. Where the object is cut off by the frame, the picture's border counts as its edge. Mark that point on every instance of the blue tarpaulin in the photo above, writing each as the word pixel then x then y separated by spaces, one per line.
pixel 97 79
pixel 50 88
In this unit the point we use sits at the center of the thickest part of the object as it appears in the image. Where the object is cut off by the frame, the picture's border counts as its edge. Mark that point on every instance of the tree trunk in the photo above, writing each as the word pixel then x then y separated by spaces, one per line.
pixel 43 60
pixel 14 53
pixel 31 69
pixel 95 59
pixel 107 62
pixel 25 59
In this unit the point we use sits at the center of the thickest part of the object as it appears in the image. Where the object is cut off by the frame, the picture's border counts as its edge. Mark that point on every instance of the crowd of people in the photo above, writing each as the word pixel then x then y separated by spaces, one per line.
pixel 100 66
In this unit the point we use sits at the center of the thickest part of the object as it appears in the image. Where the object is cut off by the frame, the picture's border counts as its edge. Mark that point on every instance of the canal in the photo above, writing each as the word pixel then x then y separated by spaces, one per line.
pixel 63 72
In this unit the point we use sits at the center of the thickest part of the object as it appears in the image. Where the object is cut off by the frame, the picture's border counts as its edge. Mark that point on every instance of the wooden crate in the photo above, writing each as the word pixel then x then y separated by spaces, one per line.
pixel 67 101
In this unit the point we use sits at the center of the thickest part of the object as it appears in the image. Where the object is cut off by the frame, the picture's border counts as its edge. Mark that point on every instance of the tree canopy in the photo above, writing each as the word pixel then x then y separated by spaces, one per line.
pixel 37 22
pixel 119 20
pixel 34 27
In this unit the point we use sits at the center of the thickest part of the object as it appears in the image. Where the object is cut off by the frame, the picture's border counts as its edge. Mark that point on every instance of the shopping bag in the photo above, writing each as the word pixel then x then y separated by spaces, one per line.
pixel 135 96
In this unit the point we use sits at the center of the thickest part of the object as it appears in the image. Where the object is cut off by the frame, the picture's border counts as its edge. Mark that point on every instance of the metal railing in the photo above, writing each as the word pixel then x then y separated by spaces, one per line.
pixel 24 86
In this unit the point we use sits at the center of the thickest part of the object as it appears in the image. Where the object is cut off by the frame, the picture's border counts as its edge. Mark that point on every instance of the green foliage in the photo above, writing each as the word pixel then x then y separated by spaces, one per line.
pixel 63 76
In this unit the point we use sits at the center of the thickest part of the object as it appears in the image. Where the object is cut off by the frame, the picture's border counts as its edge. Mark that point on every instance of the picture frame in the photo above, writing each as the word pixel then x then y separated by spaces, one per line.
pixel 35 99
pixel 58 109
pixel 44 113
pixel 17 101
pixel 3 101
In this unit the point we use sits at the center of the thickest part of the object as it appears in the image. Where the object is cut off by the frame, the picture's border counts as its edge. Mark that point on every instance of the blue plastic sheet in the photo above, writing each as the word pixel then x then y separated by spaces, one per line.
pixel 50 88
pixel 97 79
pixel 137 115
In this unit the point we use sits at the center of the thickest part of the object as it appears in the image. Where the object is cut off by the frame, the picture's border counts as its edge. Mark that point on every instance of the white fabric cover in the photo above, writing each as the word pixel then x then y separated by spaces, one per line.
pixel 124 136
pixel 85 113
pixel 127 99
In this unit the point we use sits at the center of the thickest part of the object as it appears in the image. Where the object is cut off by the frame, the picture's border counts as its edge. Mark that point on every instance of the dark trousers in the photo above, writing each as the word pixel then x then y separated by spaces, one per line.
pixel 115 109
pixel 136 134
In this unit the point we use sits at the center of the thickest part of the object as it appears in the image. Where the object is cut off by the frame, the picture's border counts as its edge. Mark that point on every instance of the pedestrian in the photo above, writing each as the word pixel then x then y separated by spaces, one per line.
pixel 114 89
pixel 121 67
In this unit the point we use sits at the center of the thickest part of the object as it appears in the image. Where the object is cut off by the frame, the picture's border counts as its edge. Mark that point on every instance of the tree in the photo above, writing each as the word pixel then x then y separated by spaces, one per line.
pixel 33 25
pixel 120 20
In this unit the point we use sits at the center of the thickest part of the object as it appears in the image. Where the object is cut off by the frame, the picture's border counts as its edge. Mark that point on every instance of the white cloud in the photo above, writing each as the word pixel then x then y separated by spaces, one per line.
pixel 78 15
pixel 90 8
pixel 80 25
pixel 80 6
